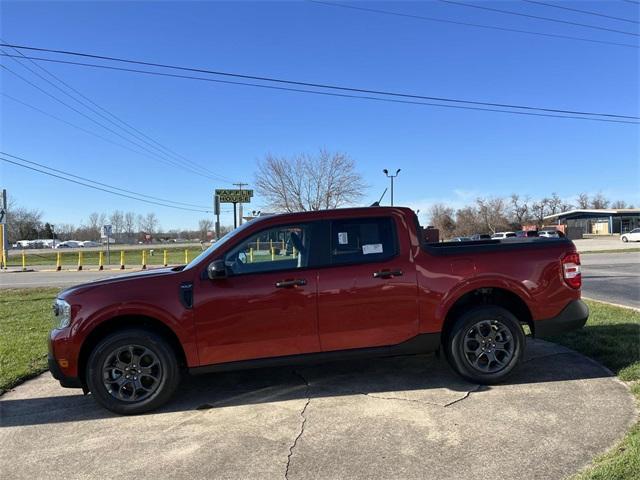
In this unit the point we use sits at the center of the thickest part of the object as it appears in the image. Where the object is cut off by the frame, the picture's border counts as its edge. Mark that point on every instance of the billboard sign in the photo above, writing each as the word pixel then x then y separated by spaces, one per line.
pixel 234 195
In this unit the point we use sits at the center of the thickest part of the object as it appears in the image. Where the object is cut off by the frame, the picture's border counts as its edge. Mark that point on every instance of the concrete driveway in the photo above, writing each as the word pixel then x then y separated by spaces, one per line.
pixel 403 417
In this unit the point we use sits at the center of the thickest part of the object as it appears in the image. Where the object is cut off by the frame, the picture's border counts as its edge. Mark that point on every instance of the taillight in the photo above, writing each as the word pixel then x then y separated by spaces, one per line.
pixel 571 270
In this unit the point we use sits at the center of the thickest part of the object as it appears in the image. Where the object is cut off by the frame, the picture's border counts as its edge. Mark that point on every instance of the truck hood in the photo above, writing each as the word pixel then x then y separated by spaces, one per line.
pixel 118 279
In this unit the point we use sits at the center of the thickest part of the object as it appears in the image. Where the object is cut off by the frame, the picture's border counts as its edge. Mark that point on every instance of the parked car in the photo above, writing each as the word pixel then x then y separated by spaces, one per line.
pixel 527 234
pixel 90 244
pixel 460 239
pixel 481 236
pixel 69 244
pixel 499 235
pixel 548 234
pixel 632 236
pixel 341 284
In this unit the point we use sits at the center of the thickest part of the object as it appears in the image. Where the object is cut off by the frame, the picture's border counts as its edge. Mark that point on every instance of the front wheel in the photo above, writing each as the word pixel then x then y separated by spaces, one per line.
pixel 485 344
pixel 132 371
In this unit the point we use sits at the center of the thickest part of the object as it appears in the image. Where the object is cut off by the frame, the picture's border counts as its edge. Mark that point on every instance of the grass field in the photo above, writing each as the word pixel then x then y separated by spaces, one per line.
pixel 611 336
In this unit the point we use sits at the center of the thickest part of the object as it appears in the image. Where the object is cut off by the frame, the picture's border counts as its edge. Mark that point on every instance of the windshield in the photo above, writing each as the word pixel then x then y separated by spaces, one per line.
pixel 224 240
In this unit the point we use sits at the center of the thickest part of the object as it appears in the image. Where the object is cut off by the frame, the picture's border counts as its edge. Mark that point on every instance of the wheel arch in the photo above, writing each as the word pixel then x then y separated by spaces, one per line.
pixel 489 296
pixel 122 322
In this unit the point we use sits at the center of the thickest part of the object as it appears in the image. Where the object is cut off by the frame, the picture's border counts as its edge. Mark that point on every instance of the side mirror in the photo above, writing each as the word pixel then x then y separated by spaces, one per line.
pixel 217 269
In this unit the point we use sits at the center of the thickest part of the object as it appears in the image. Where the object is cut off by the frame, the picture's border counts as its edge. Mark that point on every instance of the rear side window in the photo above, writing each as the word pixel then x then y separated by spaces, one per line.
pixel 362 240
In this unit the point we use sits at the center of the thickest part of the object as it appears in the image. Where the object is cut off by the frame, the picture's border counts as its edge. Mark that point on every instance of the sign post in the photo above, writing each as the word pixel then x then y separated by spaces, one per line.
pixel 234 196
pixel 106 233
pixel 3 229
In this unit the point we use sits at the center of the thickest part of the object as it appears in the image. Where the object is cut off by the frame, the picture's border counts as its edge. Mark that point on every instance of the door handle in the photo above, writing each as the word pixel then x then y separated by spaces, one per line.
pixel 291 283
pixel 387 273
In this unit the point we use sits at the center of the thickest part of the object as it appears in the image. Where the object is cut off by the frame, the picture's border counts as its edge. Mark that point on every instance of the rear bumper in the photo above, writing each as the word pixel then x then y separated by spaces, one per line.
pixel 56 372
pixel 572 317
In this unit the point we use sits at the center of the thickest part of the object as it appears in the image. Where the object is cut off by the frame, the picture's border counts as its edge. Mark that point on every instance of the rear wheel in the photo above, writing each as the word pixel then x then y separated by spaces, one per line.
pixel 132 371
pixel 625 239
pixel 485 344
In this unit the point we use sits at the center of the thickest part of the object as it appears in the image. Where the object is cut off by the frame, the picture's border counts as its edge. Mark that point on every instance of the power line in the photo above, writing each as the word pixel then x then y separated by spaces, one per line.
pixel 99 183
pixel 343 95
pixel 580 11
pixel 293 82
pixel 140 135
pixel 547 19
pixel 161 159
pixel 101 189
pixel 468 24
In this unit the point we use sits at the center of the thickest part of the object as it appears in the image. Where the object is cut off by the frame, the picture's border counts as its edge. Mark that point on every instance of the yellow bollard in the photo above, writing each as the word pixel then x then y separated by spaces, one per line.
pixel 283 245
pixel 144 259
pixel 121 259
pixel 100 260
pixel 294 253
pixel 79 261
pixel 186 256
pixel 273 254
pixel 251 255
pixel 4 258
pixel 58 261
pixel 24 262
pixel 270 244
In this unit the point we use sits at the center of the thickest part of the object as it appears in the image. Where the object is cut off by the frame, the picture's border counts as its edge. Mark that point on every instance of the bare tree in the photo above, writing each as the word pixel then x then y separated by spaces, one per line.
pixel 441 217
pixel 129 226
pixel 205 226
pixel 493 214
pixel 583 201
pixel 305 182
pixel 117 224
pixel 619 204
pixel 148 223
pixel 22 223
pixel 539 211
pixel 93 226
pixel 554 204
pixel 468 222
pixel 599 201
pixel 519 209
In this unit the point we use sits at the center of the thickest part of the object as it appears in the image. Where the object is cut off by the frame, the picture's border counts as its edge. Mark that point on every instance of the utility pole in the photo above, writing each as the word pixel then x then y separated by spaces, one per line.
pixel 3 229
pixel 239 185
pixel 386 172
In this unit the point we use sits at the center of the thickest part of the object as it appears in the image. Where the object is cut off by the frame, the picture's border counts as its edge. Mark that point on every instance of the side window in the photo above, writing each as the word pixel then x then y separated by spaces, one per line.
pixel 362 240
pixel 279 248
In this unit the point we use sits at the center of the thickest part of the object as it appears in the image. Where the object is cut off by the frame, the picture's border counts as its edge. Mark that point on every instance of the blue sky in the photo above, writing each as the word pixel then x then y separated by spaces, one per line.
pixel 446 155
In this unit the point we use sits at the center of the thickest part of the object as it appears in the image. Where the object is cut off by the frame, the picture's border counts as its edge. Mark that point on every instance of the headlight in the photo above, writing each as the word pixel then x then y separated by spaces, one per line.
pixel 62 313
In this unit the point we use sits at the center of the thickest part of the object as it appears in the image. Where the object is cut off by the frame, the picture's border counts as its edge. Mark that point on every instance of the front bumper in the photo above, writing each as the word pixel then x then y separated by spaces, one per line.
pixel 56 372
pixel 572 317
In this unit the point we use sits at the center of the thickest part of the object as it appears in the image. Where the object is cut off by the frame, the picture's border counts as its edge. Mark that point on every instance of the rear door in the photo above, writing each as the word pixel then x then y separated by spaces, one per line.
pixel 367 294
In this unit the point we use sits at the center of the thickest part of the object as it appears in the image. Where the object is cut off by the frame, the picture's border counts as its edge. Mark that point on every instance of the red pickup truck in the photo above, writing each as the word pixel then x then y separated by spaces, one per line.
pixel 310 287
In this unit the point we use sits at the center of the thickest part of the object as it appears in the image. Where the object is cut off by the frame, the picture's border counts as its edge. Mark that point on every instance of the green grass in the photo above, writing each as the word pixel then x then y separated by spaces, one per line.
pixel 25 320
pixel 175 256
pixel 612 337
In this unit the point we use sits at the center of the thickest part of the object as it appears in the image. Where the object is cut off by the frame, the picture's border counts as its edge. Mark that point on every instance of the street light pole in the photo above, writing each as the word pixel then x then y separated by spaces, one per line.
pixel 386 172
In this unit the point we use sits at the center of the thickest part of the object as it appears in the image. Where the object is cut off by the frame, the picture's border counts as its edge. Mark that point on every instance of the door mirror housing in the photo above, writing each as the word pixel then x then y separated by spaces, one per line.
pixel 216 269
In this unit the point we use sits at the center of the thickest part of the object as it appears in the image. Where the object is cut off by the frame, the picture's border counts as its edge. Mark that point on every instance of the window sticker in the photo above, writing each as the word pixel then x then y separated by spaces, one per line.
pixel 343 238
pixel 372 248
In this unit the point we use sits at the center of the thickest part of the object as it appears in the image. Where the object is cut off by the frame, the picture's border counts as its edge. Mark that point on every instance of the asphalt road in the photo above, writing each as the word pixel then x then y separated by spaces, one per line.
pixel 612 277
pixel 403 417
pixel 52 278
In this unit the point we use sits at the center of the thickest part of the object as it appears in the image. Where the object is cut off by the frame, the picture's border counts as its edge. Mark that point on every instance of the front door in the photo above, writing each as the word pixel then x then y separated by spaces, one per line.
pixel 267 304
pixel 367 296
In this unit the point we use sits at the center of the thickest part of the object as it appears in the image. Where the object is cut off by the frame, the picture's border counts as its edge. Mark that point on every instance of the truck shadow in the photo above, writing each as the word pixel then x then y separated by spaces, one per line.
pixel 420 378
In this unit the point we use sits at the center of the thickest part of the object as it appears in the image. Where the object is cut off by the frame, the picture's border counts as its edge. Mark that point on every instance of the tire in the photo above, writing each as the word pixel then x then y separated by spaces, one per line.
pixel 497 327
pixel 132 371
pixel 625 239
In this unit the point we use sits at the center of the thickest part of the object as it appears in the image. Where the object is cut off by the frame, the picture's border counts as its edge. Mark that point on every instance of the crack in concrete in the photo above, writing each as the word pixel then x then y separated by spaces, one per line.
pixel 304 421
pixel 464 397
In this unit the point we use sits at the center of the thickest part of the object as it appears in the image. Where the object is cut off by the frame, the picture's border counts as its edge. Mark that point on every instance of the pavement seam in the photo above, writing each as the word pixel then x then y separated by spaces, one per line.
pixel 304 421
